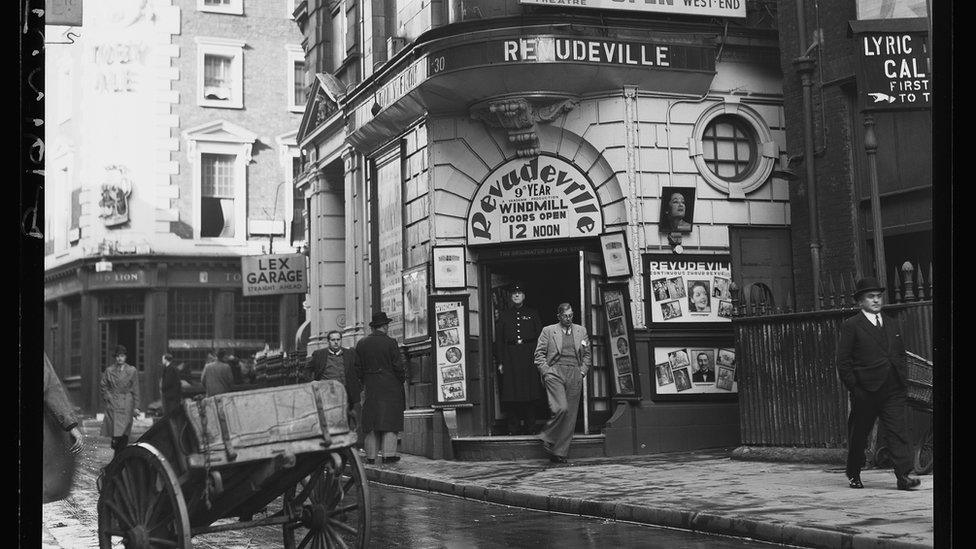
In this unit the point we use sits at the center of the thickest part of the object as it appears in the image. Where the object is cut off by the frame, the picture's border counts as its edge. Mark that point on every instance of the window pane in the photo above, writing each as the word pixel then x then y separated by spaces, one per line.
pixel 300 92
pixel 217 175
pixel 190 315
pixel 211 217
pixel 257 317
pixel 217 78
pixel 728 147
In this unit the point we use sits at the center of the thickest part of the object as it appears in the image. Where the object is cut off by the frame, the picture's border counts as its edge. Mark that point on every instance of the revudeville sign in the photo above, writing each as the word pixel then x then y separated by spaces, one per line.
pixel 710 8
pixel 892 65
pixel 273 274
pixel 537 199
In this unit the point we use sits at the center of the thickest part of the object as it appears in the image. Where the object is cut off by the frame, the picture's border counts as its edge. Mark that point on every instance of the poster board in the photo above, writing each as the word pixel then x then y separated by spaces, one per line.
pixel 448 317
pixel 415 304
pixel 390 242
pixel 690 290
pixel 616 254
pixel 695 370
pixel 449 267
pixel 620 341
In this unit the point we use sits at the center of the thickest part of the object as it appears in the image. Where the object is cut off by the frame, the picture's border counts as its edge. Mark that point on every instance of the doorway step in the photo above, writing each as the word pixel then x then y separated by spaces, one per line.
pixel 511 448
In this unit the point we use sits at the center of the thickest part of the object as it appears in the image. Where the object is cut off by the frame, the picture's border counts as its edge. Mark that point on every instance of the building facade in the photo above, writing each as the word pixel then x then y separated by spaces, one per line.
pixel 170 134
pixel 451 149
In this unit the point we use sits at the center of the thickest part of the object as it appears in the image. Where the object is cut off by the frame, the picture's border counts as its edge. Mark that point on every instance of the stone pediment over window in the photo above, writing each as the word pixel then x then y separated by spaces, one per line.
pixel 323 102
pixel 220 131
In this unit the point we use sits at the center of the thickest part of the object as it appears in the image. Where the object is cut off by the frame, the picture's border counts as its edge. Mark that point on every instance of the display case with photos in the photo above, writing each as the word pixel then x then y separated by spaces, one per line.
pixel 620 345
pixel 695 369
pixel 447 317
pixel 692 290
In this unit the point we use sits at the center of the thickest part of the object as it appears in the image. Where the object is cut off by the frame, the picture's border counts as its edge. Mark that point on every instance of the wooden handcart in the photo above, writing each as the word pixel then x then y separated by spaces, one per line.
pixel 234 456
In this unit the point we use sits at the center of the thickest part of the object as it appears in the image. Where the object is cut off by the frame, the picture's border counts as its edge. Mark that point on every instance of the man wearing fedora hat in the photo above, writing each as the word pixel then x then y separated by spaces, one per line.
pixel 380 371
pixel 871 364
pixel 119 388
pixel 516 331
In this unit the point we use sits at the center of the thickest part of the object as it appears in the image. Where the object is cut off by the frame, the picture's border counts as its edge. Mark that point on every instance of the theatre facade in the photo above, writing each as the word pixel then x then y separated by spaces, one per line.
pixel 626 162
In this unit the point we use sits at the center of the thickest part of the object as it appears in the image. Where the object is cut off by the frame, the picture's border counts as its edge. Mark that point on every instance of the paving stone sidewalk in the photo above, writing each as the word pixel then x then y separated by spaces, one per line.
pixel 799 504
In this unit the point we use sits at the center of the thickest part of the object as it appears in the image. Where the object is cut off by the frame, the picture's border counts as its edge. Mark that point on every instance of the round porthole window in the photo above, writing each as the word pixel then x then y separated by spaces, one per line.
pixel 733 149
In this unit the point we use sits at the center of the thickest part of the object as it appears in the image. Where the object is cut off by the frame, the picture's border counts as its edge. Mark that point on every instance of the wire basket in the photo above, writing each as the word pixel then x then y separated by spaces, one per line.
pixel 919 380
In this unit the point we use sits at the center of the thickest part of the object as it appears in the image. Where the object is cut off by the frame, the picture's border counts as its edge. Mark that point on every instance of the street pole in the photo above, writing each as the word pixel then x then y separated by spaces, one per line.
pixel 871 147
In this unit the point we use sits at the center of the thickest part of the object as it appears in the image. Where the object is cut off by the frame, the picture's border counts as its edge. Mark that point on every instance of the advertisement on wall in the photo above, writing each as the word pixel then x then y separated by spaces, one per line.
pixel 688 288
pixel 693 370
pixel 448 322
pixel 620 333
pixel 390 227
pixel 273 274
pixel 893 66
pixel 705 8
pixel 541 198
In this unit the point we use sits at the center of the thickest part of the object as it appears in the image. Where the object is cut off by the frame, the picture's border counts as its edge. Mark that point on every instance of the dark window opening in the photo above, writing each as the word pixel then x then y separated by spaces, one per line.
pixel 729 147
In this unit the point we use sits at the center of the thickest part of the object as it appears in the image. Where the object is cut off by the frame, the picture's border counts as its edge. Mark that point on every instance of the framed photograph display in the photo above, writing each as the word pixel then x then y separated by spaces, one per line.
pixel 449 267
pixel 695 371
pixel 691 289
pixel 415 304
pixel 616 255
pixel 448 320
pixel 620 340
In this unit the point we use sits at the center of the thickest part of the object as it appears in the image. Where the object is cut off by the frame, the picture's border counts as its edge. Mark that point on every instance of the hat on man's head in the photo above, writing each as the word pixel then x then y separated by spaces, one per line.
pixel 120 350
pixel 380 319
pixel 516 287
pixel 866 284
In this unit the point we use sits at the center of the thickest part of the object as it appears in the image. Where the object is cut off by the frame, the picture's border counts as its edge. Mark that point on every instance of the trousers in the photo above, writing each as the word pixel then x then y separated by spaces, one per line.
pixel 564 385
pixel 887 404
pixel 373 439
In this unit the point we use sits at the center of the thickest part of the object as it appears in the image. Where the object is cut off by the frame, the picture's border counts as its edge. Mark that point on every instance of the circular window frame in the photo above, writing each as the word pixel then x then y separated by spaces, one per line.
pixel 767 151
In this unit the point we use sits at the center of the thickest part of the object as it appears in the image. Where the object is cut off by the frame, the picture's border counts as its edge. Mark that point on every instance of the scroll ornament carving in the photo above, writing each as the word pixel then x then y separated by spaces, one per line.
pixel 520 118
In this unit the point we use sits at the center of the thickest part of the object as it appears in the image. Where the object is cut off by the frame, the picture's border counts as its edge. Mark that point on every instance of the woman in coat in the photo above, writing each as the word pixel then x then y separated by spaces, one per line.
pixel 119 387
pixel 380 371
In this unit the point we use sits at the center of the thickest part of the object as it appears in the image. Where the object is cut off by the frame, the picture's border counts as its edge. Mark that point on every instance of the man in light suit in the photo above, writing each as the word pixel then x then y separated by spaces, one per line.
pixel 871 364
pixel 562 355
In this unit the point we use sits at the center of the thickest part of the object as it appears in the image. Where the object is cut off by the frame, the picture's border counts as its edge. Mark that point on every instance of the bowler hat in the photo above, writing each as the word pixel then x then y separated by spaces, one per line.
pixel 866 284
pixel 120 350
pixel 380 319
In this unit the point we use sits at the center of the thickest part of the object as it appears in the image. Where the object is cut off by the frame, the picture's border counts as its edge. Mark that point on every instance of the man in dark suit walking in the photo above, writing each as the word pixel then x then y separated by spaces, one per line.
pixel 871 364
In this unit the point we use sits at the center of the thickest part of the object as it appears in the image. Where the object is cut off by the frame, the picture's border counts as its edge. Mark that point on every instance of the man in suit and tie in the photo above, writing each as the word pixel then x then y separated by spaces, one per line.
pixel 338 363
pixel 871 364
pixel 562 355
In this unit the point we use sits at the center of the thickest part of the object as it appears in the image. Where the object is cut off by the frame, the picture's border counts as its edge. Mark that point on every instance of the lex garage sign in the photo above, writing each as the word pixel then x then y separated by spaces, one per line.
pixel 273 274
pixel 893 70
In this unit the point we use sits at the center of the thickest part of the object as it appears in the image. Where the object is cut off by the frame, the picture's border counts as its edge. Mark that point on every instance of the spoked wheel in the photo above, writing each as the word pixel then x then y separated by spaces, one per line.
pixel 883 459
pixel 925 455
pixel 334 506
pixel 140 503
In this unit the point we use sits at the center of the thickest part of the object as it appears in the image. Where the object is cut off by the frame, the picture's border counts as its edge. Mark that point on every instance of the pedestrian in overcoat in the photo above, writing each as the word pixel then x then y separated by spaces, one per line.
pixel 563 358
pixel 338 363
pixel 380 370
pixel 516 332
pixel 871 364
pixel 62 438
pixel 171 383
pixel 119 387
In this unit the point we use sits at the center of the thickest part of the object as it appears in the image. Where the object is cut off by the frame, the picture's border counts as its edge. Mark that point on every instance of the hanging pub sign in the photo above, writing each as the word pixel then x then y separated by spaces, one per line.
pixel 620 334
pixel 695 370
pixel 273 274
pixel 892 64
pixel 542 198
pixel 688 288
pixel 449 326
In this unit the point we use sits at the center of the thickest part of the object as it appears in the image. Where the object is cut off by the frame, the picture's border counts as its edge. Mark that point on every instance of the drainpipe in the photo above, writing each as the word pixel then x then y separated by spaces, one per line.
pixel 804 67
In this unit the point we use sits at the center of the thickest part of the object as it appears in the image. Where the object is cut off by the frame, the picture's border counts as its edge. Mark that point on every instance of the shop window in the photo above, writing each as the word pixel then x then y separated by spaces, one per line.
pixel 217 195
pixel 257 318
pixel 297 91
pixel 219 152
pixel 74 338
pixel 120 304
pixel 190 314
pixel 220 69
pixel 233 7
pixel 733 148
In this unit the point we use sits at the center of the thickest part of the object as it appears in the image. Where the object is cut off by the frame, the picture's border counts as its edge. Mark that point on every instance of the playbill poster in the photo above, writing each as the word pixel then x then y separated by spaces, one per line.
pixel 693 288
pixel 615 307
pixel 449 351
pixel 695 370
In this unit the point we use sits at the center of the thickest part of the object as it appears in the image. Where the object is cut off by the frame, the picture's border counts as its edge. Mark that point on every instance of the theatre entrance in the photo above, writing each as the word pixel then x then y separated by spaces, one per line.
pixel 550 275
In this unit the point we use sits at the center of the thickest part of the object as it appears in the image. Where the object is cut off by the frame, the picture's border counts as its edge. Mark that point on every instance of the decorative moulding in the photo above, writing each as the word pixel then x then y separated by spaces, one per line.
pixel 521 115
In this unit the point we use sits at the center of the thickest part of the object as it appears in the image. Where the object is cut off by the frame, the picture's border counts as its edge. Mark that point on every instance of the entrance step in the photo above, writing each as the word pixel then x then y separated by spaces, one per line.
pixel 513 448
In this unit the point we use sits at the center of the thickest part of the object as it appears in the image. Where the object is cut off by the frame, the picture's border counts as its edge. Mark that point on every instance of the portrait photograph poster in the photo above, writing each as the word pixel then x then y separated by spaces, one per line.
pixel 449 267
pixel 675 369
pixel 415 304
pixel 448 323
pixel 691 288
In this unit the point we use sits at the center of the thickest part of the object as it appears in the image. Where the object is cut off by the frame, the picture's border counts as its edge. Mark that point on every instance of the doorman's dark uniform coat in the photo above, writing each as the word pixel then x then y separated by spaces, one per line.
pixel 380 370
pixel 516 333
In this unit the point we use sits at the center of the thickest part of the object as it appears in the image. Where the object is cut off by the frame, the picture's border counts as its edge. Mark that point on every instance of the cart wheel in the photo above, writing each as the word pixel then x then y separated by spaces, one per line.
pixel 882 458
pixel 925 455
pixel 140 503
pixel 334 504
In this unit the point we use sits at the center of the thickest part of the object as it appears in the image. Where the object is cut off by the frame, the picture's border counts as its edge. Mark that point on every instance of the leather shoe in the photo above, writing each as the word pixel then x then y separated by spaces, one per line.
pixel 391 459
pixel 906 482
pixel 855 481
pixel 557 459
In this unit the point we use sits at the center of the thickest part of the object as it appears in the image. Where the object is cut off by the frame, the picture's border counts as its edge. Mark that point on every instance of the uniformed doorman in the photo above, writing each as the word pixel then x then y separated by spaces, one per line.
pixel 521 392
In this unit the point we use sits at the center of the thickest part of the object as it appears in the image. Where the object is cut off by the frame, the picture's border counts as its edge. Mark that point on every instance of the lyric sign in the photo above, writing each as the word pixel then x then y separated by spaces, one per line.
pixel 893 71
pixel 273 274
pixel 710 8
pixel 693 288
pixel 539 199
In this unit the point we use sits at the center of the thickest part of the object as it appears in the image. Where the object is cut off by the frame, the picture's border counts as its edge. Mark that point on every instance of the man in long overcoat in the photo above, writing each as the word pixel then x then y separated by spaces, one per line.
pixel 381 371
pixel 62 438
pixel 338 363
pixel 516 332
pixel 871 364
pixel 119 387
